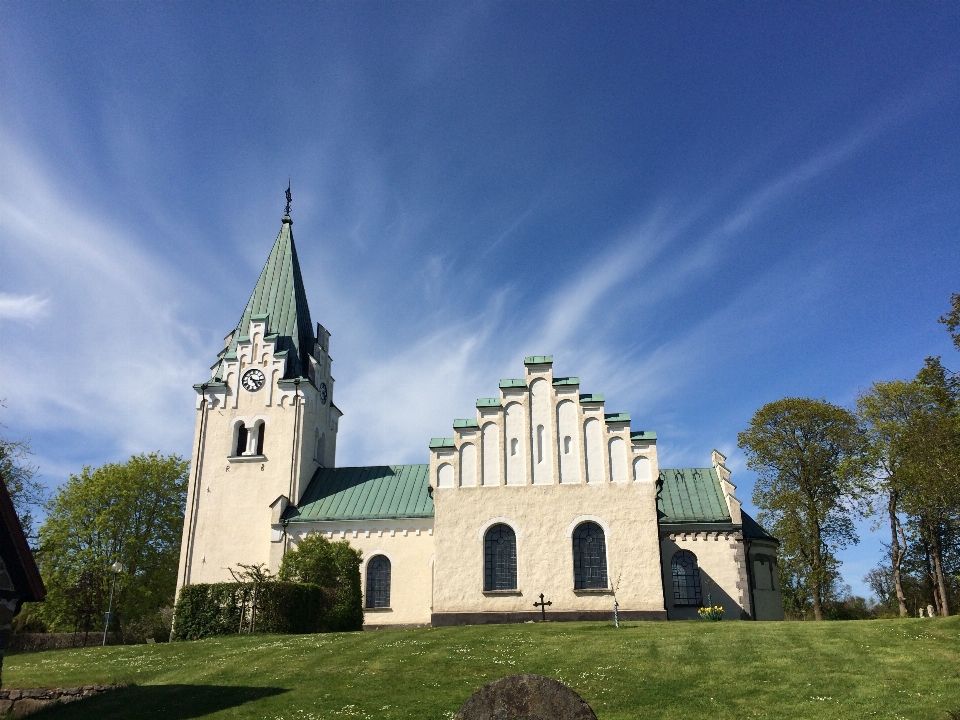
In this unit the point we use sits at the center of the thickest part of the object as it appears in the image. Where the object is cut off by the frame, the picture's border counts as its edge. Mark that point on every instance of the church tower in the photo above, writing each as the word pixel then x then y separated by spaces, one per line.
pixel 265 423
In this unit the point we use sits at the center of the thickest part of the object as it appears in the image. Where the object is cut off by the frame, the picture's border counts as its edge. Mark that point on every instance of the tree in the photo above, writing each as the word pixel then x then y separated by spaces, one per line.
pixel 952 319
pixel 809 457
pixel 20 475
pixel 930 468
pixel 131 513
pixel 334 566
pixel 886 411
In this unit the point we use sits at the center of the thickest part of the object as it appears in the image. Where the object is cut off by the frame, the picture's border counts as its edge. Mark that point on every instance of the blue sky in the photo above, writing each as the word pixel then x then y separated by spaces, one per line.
pixel 697 208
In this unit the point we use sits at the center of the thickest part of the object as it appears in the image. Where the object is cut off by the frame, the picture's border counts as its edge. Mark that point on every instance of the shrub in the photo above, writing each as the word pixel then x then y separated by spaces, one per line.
pixel 334 566
pixel 231 608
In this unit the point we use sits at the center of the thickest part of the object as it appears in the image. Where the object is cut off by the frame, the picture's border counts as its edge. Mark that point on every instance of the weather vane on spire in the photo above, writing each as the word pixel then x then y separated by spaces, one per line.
pixel 289 198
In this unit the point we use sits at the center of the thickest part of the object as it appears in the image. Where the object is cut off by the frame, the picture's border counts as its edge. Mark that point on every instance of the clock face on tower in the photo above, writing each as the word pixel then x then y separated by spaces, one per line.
pixel 253 380
pixel 323 393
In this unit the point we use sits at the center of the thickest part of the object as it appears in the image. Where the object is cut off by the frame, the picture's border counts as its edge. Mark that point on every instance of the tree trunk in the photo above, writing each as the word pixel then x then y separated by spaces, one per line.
pixel 897 551
pixel 941 585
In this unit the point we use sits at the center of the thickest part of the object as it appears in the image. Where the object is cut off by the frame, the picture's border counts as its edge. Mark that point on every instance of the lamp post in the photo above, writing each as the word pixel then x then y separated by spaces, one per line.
pixel 116 569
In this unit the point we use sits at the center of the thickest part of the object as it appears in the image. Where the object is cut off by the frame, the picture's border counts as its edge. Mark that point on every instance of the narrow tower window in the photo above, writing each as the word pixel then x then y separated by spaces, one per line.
pixel 566 445
pixel 241 440
pixel 260 432
pixel 513 446
pixel 539 443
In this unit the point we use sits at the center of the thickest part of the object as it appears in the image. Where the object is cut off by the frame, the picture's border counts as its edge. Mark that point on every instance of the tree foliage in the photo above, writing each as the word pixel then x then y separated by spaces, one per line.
pixel 952 319
pixel 20 476
pixel 334 566
pixel 130 513
pixel 809 456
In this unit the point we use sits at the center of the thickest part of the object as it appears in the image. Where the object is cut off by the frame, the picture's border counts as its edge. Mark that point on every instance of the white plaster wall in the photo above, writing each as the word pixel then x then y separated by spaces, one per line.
pixel 515 445
pixel 542 435
pixel 542 514
pixel 618 460
pixel 491 454
pixel 468 464
pixel 722 572
pixel 593 439
pixel 568 442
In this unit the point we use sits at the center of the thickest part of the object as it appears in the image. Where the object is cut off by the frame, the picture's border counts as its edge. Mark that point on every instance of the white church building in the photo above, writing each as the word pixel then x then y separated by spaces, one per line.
pixel 540 489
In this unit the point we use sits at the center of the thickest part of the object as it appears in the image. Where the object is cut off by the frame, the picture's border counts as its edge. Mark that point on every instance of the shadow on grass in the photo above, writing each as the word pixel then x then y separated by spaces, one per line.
pixel 159 702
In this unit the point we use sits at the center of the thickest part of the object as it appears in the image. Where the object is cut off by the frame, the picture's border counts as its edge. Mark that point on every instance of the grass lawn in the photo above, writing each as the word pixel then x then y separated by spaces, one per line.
pixel 677 670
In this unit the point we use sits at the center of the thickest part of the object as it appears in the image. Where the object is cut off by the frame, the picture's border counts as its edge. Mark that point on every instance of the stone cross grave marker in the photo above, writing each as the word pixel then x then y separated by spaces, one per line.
pixel 525 697
pixel 543 607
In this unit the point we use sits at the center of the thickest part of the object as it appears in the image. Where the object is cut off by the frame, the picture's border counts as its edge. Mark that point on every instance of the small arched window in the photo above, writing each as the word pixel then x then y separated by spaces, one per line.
pixel 500 558
pixel 260 434
pixel 378 582
pixel 589 557
pixel 686 578
pixel 241 440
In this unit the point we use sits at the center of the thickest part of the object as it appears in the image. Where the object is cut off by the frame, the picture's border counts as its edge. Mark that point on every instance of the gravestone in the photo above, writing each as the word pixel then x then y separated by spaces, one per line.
pixel 930 611
pixel 525 697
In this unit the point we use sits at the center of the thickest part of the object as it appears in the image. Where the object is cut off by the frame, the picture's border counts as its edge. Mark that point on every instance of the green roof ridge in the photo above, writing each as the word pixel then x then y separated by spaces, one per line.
pixel 591 397
pixel 441 443
pixel 280 299
pixel 513 383
pixel 538 359
pixel 616 417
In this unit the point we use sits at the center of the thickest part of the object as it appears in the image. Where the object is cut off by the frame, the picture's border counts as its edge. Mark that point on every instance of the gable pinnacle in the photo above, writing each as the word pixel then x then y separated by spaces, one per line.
pixel 286 211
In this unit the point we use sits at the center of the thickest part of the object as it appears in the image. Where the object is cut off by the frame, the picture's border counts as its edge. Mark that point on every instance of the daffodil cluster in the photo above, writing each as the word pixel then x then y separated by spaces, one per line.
pixel 714 613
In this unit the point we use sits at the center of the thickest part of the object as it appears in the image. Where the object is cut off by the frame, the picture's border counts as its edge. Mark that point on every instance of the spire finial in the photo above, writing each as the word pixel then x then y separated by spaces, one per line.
pixel 286 211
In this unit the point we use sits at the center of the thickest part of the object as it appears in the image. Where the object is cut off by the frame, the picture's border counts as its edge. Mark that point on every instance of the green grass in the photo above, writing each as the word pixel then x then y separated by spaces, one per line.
pixel 689 670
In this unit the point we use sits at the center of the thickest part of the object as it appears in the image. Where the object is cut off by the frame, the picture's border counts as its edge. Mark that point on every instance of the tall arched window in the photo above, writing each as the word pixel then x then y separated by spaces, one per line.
pixel 686 578
pixel 589 557
pixel 500 558
pixel 378 582
pixel 260 433
pixel 241 440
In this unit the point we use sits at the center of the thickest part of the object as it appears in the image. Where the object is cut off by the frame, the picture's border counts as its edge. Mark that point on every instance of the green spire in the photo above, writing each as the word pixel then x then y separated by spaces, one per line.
pixel 279 294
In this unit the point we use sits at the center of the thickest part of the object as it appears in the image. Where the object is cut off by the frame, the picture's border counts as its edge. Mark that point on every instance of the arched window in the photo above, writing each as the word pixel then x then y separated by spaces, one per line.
pixel 378 582
pixel 241 440
pixel 500 558
pixel 260 432
pixel 589 557
pixel 686 578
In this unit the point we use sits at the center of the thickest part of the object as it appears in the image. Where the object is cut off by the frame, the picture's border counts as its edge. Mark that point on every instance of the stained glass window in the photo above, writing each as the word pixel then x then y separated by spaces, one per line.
pixel 589 557
pixel 500 558
pixel 378 582
pixel 686 578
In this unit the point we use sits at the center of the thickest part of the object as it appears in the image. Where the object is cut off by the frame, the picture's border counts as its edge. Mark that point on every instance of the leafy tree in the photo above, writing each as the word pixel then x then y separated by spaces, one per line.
pixel 930 450
pixel 130 513
pixel 886 411
pixel 809 456
pixel 331 565
pixel 20 475
pixel 952 319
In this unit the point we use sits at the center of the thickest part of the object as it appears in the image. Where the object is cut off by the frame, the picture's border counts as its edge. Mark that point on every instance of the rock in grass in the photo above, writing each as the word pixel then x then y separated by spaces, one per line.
pixel 525 697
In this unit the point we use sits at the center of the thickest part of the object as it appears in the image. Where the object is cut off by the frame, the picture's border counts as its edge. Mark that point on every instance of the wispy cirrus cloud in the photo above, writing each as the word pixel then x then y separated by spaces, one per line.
pixel 23 308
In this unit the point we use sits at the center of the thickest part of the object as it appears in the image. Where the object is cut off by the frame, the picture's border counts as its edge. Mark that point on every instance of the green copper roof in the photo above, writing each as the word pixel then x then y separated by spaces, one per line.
pixel 566 381
pixel 280 298
pixel 488 402
pixel 465 423
pixel 691 495
pixel 616 417
pixel 436 443
pixel 538 359
pixel 591 398
pixel 513 383
pixel 752 529
pixel 643 435
pixel 378 492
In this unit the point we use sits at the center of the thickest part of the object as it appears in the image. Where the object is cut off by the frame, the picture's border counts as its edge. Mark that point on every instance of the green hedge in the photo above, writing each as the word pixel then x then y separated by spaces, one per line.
pixel 270 607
